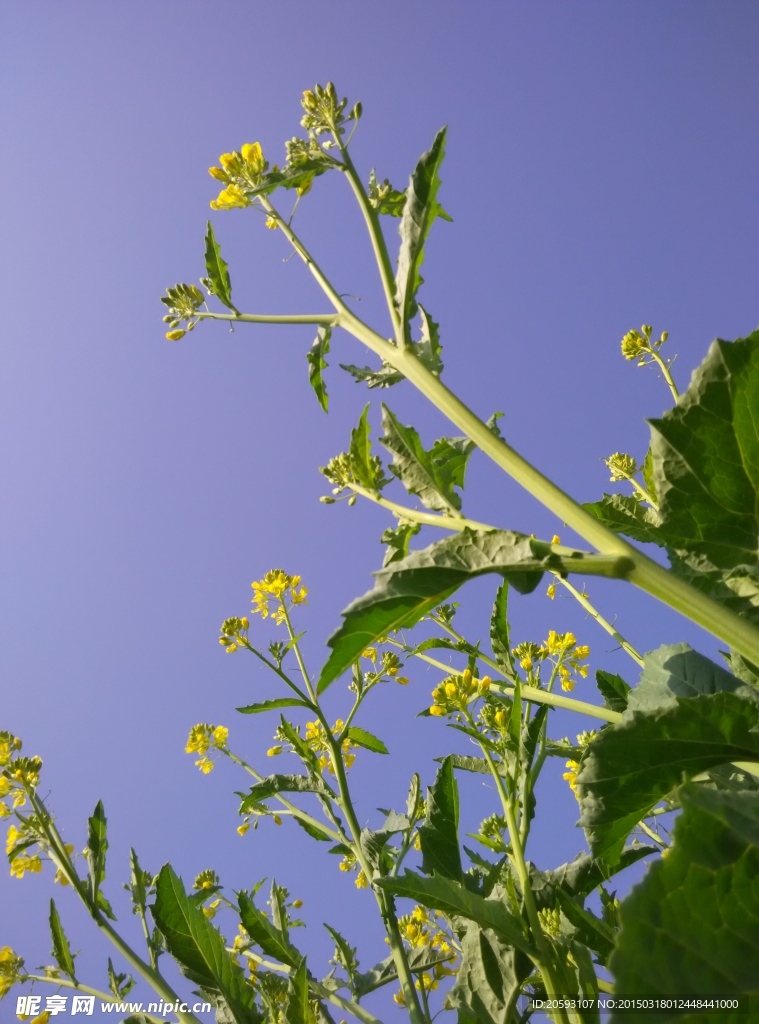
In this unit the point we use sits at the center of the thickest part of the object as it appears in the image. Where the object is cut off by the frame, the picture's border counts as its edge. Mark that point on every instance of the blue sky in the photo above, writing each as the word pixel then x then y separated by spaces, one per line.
pixel 601 173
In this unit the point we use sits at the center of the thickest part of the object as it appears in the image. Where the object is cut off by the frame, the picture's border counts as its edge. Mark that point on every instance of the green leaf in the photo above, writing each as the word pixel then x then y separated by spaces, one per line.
pixel 120 984
pixel 477 765
pixel 429 475
pixel 61 948
pixel 428 349
pixel 589 929
pixel 311 830
pixel 736 588
pixel 347 954
pixel 296 1009
pixel 218 271
pixel 398 541
pixel 317 362
pixel 676 670
pixel 692 925
pixel 500 639
pixel 406 590
pixel 613 689
pixel 490 976
pixel 630 766
pixel 265 934
pixel 97 847
pixel 647 470
pixel 625 514
pixel 419 213
pixel 579 877
pixel 197 946
pixel 385 377
pixel 366 739
pixel 706 459
pixel 273 784
pixel 273 705
pixel 365 467
pixel 440 893
pixel 439 836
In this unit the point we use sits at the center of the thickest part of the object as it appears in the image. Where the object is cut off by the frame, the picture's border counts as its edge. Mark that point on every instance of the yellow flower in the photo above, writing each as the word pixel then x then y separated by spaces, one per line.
pixel 9 969
pixel 229 161
pixel 399 998
pixel 19 798
pixel 271 223
pixel 205 764
pixel 5 786
pixel 567 684
pixel 175 335
pixel 437 710
pixel 220 735
pixel 216 172
pixel 556 539
pixel 297 904
pixel 4 810
pixel 242 829
pixel 210 910
pixel 551 592
pixel 21 864
pixel 362 881
pixel 253 155
pixel 41 1018
pixel 197 741
pixel 403 680
pixel 274 751
pixel 571 774
pixel 230 198
pixel 14 835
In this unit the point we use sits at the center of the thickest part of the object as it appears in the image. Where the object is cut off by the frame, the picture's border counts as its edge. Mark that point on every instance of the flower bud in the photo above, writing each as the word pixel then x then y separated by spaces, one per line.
pixel 175 335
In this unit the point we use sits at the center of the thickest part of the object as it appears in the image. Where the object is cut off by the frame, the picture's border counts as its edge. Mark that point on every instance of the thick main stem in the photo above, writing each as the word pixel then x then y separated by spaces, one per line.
pixel 644 572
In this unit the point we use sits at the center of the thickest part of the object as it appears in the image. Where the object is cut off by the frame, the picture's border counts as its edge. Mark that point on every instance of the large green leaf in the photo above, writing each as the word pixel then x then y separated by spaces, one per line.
pixel 430 475
pixel 296 1010
pixel 218 271
pixel 419 212
pixel 692 925
pixel 439 836
pixel 408 589
pixel 489 977
pixel 630 766
pixel 317 362
pixel 736 588
pixel 440 893
pixel 676 670
pixel 706 458
pixel 579 877
pixel 271 940
pixel 61 948
pixel 198 947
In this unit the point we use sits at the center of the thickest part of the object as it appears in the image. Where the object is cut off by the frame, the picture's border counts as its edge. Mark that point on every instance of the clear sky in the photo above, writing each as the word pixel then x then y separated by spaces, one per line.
pixel 602 173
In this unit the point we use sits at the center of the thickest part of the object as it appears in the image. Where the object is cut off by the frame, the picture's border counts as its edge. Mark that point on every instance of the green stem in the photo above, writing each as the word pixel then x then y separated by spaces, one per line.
pixel 582 599
pixel 644 572
pixel 666 373
pixel 299 656
pixel 106 997
pixel 262 318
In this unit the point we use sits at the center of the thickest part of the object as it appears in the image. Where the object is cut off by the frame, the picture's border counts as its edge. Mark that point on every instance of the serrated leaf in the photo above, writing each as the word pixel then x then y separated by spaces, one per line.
pixel 385 377
pixel 590 930
pixel 647 471
pixel 406 590
pixel 97 847
pixel 419 212
pixel 273 705
pixel 579 877
pixel 265 934
pixel 61 948
pixel 317 362
pixel 440 893
pixel 363 738
pixel 631 765
pixel 613 689
pixel 296 1009
pixel 478 765
pixel 398 541
pixel 439 835
pixel 364 466
pixel 500 639
pixel 273 784
pixel 421 472
pixel 311 830
pixel 706 458
pixel 692 925
pixel 736 588
pixel 197 946
pixel 625 514
pixel 428 349
pixel 348 954
pixel 676 670
pixel 490 976
pixel 218 271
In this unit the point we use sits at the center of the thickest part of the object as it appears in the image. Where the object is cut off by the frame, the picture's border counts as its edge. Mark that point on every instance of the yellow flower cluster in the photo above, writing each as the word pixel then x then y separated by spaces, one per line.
pixel 388 665
pixel 204 737
pixel 8 744
pixel 421 931
pixel 637 344
pixel 456 692
pixel 282 588
pixel 550 921
pixel 316 738
pixel 10 967
pixel 621 466
pixel 570 775
pixel 241 172
pixel 568 657
pixel 349 863
pixel 21 862
pixel 234 633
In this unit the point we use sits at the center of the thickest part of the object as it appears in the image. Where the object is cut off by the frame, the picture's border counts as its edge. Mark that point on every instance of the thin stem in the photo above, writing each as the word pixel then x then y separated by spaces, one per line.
pixel 652 835
pixel 278 671
pixel 106 997
pixel 457 522
pixel 530 693
pixel 298 655
pixel 666 373
pixel 582 599
pixel 381 255
pixel 265 318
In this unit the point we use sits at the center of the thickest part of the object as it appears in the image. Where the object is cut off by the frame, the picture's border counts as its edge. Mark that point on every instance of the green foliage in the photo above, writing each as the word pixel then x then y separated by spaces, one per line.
pixel 635 763
pixel 271 939
pixel 614 690
pixel 61 948
pixel 363 738
pixel 317 363
pixel 439 835
pixel 197 946
pixel 430 475
pixel 218 280
pixel 692 925
pixel 490 978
